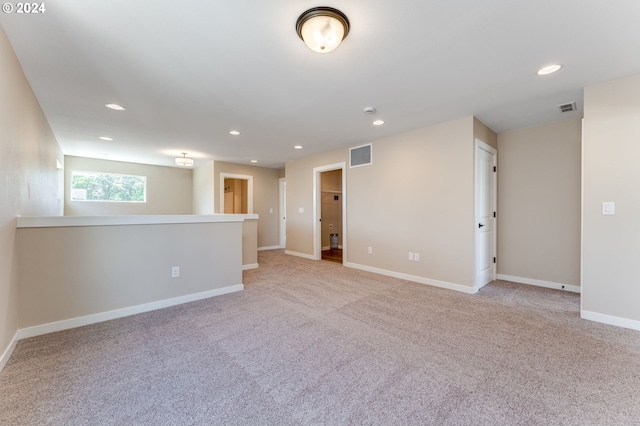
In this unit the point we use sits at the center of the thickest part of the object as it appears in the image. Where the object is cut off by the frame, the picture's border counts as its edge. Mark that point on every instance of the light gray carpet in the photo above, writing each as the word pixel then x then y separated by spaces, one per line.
pixel 314 343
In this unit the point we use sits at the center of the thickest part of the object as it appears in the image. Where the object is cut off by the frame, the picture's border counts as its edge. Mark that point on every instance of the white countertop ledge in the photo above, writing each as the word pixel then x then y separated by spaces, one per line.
pixel 68 221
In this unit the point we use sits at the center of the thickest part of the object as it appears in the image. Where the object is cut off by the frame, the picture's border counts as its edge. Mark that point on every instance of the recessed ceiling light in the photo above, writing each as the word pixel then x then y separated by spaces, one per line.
pixel 115 106
pixel 549 69
pixel 378 123
pixel 254 161
pixel 234 132
pixel 106 138
pixel 298 147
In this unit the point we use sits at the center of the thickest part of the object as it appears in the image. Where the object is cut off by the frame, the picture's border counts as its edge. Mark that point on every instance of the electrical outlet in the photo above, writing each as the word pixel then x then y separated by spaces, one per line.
pixel 411 256
pixel 416 257
pixel 270 210
pixel 301 210
pixel 175 272
pixel 370 250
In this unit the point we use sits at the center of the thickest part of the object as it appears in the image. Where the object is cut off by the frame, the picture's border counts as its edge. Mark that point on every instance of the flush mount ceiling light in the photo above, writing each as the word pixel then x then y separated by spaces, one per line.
pixel 184 161
pixel 378 123
pixel 234 132
pixel 549 69
pixel 298 147
pixel 105 138
pixel 115 106
pixel 322 28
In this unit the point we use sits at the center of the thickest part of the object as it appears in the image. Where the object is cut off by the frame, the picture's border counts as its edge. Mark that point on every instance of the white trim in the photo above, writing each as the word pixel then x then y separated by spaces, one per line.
pixel 540 283
pixel 7 353
pixel 38 330
pixel 325 248
pixel 268 248
pixel 117 220
pixel 420 280
pixel 609 319
pixel 250 266
pixel 582 211
pixel 249 189
pixel 282 211
pixel 298 254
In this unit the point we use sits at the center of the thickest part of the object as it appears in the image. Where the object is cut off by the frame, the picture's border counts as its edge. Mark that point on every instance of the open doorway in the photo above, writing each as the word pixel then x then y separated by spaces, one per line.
pixel 329 213
pixel 236 194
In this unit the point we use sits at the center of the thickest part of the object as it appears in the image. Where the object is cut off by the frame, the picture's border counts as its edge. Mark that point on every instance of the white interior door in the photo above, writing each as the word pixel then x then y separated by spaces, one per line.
pixel 486 171
pixel 283 213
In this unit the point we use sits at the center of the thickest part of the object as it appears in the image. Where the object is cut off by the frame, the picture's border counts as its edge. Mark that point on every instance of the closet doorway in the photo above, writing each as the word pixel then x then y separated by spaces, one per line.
pixel 329 212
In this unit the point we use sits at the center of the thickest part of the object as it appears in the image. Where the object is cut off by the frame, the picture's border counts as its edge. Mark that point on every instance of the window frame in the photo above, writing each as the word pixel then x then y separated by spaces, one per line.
pixel 84 172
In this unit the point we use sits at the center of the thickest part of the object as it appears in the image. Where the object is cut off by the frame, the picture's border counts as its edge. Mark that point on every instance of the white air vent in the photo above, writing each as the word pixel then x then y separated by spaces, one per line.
pixel 360 156
pixel 571 106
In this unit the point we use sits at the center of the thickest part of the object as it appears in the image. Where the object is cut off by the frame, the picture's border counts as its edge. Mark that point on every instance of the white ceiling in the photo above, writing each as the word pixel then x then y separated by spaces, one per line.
pixel 188 72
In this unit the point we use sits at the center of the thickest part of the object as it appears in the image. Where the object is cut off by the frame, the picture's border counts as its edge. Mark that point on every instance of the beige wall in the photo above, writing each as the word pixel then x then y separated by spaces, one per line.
pixel 611 172
pixel 417 196
pixel 249 243
pixel 299 175
pixel 71 272
pixel 265 198
pixel 203 190
pixel 539 203
pixel 169 189
pixel 28 176
pixel 485 134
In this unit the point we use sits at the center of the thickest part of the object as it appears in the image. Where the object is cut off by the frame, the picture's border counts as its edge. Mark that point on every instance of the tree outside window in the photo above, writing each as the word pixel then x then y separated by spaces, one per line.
pixel 91 186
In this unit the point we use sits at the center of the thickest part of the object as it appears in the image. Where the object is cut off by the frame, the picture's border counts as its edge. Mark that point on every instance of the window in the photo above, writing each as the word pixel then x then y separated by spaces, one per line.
pixel 92 186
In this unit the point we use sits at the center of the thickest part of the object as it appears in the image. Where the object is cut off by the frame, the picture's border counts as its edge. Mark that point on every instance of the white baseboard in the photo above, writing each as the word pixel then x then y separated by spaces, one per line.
pixel 414 278
pixel 250 266
pixel 325 248
pixel 611 320
pixel 38 330
pixel 297 254
pixel 7 353
pixel 540 283
pixel 269 248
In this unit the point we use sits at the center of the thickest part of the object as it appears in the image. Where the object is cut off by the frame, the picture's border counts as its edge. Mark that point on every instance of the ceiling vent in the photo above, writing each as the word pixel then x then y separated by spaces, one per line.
pixel 571 106
pixel 360 156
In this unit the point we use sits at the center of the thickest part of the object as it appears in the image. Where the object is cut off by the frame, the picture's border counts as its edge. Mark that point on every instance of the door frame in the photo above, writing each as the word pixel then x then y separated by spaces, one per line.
pixel 248 178
pixel 317 209
pixel 480 145
pixel 282 210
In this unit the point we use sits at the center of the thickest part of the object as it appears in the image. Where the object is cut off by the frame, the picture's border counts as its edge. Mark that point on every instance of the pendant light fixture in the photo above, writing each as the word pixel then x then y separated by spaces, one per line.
pixel 322 28
pixel 184 161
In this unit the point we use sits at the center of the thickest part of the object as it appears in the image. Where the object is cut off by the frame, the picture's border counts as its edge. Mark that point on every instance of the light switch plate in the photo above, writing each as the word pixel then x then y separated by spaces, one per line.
pixel 608 207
